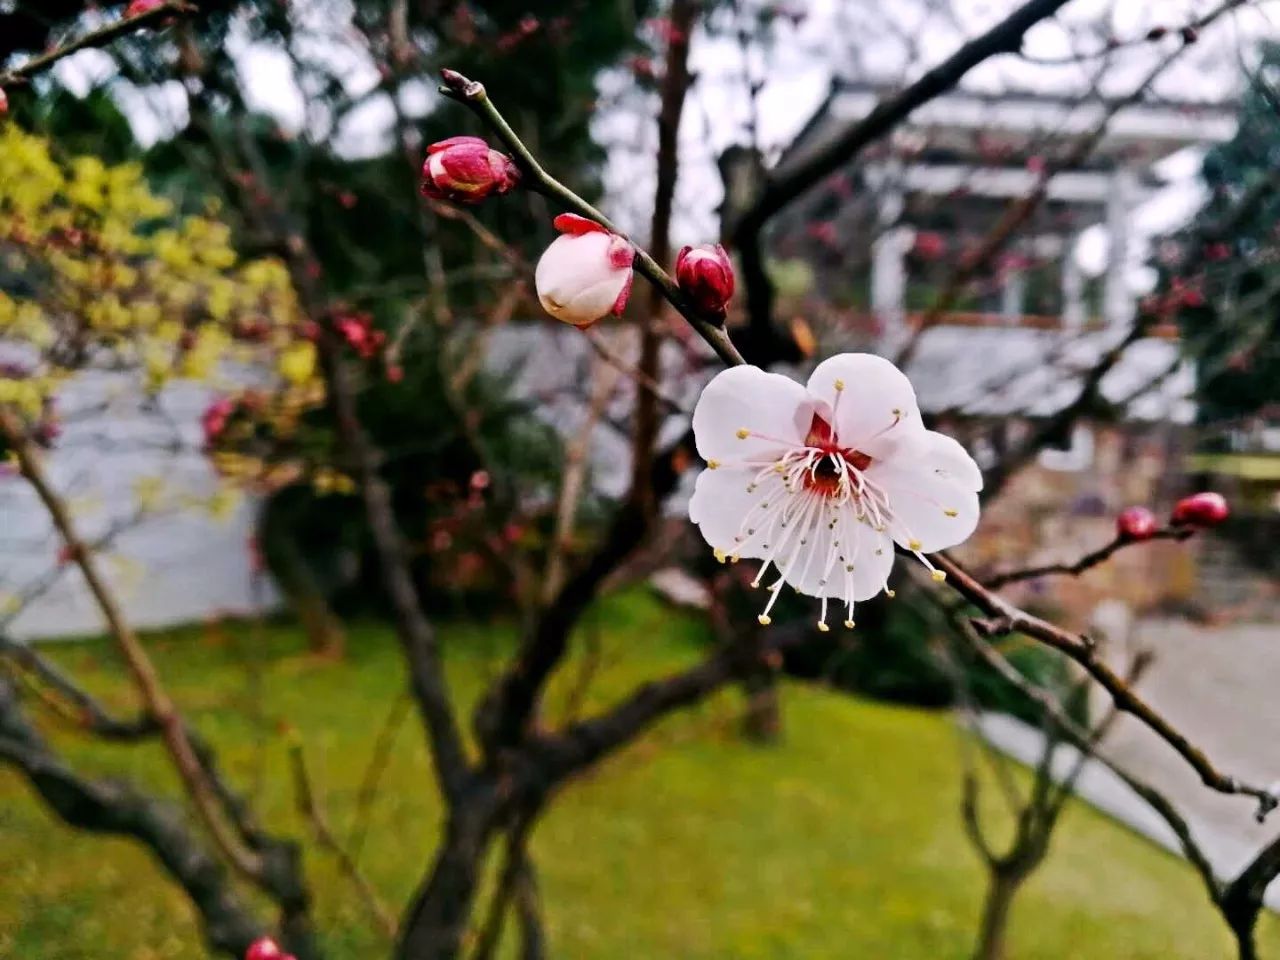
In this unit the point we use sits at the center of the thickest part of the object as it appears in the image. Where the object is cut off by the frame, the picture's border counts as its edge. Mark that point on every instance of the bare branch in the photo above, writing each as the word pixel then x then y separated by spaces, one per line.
pixel 310 808
pixel 98 38
pixel 1087 562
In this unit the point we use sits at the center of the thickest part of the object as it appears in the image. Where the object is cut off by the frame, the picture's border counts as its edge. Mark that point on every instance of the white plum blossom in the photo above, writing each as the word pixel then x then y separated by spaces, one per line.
pixel 820 481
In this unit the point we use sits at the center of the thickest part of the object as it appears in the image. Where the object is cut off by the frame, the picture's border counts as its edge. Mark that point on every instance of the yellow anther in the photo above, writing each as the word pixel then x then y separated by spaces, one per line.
pixel 720 555
pixel 848 624
pixel 764 620
pixel 779 468
pixel 744 433
pixel 939 576
pixel 839 384
pixel 891 594
pixel 952 513
pixel 712 464
pixel 734 558
pixel 913 544
pixel 823 627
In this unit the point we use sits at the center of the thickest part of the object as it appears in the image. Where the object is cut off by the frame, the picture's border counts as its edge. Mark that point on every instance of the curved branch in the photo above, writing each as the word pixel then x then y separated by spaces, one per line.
pixel 98 38
pixel 119 809
pixel 1006 618
pixel 1087 562
pixel 473 95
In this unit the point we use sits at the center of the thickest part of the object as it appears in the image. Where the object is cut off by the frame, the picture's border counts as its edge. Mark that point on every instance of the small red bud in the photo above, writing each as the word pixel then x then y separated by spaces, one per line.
pixel 264 948
pixel 1190 34
pixel 1206 509
pixel 1136 523
pixel 929 245
pixel 1157 33
pixel 706 276
pixel 395 373
pixel 139 7
pixel 4 102
pixel 466 170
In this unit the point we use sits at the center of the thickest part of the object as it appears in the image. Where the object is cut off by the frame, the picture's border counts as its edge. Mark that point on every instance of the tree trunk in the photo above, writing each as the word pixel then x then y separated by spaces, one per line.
pixel 1001 890
pixel 434 926
pixel 762 718
pixel 324 631
pixel 1243 929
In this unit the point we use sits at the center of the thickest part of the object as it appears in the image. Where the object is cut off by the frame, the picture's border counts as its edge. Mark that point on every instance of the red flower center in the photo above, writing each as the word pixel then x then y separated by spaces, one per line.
pixel 825 477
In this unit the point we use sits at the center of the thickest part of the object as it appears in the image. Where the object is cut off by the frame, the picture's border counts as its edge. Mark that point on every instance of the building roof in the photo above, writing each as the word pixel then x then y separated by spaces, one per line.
pixel 1003 371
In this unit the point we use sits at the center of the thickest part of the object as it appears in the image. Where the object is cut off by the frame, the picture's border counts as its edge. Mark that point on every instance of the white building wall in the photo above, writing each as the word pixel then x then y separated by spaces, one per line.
pixel 178 564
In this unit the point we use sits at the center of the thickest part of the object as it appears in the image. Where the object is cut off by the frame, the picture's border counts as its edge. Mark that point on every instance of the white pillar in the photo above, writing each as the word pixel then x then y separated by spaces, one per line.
pixel 1013 295
pixel 889 279
pixel 1118 301
pixel 888 266
pixel 1073 309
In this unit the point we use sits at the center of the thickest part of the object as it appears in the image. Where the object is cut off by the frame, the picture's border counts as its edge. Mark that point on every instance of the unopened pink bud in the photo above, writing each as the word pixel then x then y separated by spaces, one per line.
pixel 264 948
pixel 138 7
pixel 1206 509
pixel 466 170
pixel 1136 523
pixel 586 273
pixel 706 277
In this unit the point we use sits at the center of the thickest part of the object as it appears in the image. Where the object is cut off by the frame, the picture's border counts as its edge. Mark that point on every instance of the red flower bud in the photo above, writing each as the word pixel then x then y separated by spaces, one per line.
pixel 1156 33
pixel 929 245
pixel 214 419
pixel 1190 34
pixel 466 170
pixel 264 948
pixel 4 102
pixel 1136 523
pixel 1201 510
pixel 139 7
pixel 706 277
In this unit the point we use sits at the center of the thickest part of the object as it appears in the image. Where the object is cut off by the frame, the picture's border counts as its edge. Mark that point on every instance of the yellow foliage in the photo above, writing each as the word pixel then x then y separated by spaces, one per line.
pixel 108 272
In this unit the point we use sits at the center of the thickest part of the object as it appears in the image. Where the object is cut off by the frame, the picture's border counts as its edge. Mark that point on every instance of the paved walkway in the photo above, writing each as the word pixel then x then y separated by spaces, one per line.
pixel 1221 687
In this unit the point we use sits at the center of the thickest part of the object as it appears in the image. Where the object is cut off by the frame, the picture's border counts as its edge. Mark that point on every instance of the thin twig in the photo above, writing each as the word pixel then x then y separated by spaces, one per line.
pixel 1086 562
pixel 1005 618
pixel 473 95
pixel 159 704
pixel 97 38
pixel 310 808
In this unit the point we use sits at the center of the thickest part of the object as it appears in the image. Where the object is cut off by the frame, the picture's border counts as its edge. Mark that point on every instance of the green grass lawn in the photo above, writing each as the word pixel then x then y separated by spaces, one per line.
pixel 844 842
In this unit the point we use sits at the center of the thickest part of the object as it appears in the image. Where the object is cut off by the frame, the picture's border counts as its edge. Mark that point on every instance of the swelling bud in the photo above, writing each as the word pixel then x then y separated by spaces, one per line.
pixel 466 170
pixel 586 273
pixel 705 275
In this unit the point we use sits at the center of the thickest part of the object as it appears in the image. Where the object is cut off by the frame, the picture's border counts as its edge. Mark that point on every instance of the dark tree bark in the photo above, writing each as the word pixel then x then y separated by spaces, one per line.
pixel 1002 888
pixel 118 809
pixel 436 921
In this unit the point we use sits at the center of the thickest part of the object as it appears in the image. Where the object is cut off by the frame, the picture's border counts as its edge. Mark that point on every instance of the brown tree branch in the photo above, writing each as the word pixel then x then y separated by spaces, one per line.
pixel 1005 618
pixel 119 809
pixel 97 38
pixel 1087 562
pixel 146 680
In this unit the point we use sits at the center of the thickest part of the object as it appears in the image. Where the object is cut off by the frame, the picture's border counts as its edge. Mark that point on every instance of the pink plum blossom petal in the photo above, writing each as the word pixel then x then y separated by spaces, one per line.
pixel 774 411
pixel 575 226
pixel 576 281
pixel 721 506
pixel 874 403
